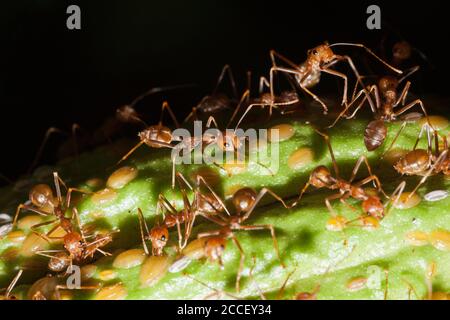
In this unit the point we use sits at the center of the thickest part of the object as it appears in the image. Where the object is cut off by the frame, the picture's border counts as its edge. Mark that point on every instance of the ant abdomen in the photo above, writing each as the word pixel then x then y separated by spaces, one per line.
pixel 59 262
pixel 41 195
pixel 375 134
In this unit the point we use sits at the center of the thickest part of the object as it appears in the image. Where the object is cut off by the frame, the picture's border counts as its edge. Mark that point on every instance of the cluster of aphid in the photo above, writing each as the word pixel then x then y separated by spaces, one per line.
pixel 384 98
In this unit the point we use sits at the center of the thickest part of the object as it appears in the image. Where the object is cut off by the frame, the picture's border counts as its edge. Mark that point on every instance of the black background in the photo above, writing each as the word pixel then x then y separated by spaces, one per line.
pixel 52 76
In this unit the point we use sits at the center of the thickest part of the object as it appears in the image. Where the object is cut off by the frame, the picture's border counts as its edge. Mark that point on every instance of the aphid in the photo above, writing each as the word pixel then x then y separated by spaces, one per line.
pixel 244 201
pixel 321 177
pixel 319 59
pixel 7 295
pixel 387 98
pixel 216 102
pixel 424 162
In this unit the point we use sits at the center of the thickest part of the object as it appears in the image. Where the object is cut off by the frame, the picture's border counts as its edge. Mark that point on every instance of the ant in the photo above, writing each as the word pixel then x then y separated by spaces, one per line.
pixel 285 99
pixel 387 98
pixel 244 201
pixel 77 248
pixel 319 59
pixel 202 204
pixel 321 177
pixel 8 295
pixel 424 163
pixel 215 102
pixel 44 202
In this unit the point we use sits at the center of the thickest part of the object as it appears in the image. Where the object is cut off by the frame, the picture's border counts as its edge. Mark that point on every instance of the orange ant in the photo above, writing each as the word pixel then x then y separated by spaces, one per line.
pixel 43 202
pixel 8 295
pixel 77 248
pixel 285 99
pixel 321 177
pixel 387 98
pixel 215 102
pixel 423 162
pixel 319 59
pixel 244 201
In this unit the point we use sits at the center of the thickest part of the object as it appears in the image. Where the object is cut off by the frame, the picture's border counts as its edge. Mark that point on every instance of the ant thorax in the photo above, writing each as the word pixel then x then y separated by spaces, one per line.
pixel 309 74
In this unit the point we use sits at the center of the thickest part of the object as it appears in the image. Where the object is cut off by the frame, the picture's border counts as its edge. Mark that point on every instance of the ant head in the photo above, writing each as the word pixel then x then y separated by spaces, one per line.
pixel 243 199
pixel 401 50
pixel 387 83
pixel 214 248
pixel 73 242
pixel 321 177
pixel 373 207
pixel 59 262
pixel 321 54
pixel 127 114
pixel 41 195
pixel 159 236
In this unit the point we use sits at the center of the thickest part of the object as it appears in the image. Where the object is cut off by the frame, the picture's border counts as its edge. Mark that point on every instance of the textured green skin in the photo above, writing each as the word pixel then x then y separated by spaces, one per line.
pixel 304 242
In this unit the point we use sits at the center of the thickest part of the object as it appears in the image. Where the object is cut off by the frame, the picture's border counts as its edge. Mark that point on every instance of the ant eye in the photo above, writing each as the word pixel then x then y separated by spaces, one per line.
pixel 315 52
pixel 163 238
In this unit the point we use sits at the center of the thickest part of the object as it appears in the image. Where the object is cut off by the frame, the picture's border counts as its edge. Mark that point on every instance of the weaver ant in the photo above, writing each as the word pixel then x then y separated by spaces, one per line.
pixel 319 59
pixel 321 177
pixel 216 102
pixel 424 162
pixel 244 201
pixel 387 98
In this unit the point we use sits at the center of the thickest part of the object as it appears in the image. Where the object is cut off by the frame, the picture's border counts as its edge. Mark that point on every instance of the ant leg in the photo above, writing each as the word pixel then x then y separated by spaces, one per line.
pixel 376 181
pixel 69 194
pixel 226 69
pixel 208 234
pixel 258 198
pixel 402 97
pixel 412 104
pixel 247 111
pixel 193 113
pixel 301 194
pixel 159 143
pixel 29 208
pixel 244 97
pixel 272 233
pixel 80 228
pixel 358 165
pixel 166 106
pixel 429 275
pixel 47 135
pixel 216 291
pixel 328 204
pixel 13 283
pixel 57 180
pixel 283 286
pixel 36 226
pixel 274 54
pixel 263 82
pixel 394 197
pixel 358 78
pixel 408 73
pixel 395 139
pixel 347 107
pixel 376 93
pixel 436 164
pixel 343 76
pixel 347 204
pixel 212 120
pixel 333 159
pixel 142 222
pixel 370 52
pixel 241 262
pixel 200 180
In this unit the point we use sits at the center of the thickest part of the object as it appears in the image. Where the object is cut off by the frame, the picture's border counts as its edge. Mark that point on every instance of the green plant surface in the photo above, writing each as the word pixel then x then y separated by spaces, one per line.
pixel 303 239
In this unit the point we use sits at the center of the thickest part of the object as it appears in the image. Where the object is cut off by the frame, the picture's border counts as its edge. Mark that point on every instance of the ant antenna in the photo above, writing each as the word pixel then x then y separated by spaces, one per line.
pixel 369 51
